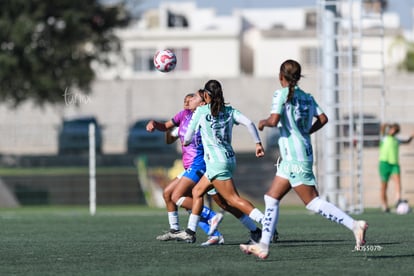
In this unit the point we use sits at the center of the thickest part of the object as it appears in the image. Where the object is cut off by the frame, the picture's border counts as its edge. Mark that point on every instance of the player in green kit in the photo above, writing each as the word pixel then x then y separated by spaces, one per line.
pixel 297 115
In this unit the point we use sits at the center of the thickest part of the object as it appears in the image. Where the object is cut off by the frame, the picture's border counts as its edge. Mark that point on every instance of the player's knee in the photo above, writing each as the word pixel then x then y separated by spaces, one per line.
pixel 197 192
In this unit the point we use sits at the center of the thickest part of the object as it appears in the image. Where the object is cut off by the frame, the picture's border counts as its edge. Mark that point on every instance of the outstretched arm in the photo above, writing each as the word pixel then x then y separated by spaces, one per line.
pixel 154 125
pixel 253 132
pixel 383 128
pixel 407 140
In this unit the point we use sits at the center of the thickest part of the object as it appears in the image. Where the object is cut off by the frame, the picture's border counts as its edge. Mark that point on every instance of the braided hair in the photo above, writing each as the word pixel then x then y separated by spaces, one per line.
pixel 291 71
pixel 214 90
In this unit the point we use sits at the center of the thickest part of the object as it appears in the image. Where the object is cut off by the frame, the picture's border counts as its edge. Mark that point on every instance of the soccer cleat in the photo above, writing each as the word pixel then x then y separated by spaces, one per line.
pixel 360 227
pixel 255 236
pixel 169 236
pixel 214 240
pixel 256 249
pixel 185 236
pixel 275 236
pixel 214 223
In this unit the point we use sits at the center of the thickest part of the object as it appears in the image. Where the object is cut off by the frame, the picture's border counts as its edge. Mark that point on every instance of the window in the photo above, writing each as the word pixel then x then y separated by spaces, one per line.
pixel 142 60
pixel 183 58
pixel 309 56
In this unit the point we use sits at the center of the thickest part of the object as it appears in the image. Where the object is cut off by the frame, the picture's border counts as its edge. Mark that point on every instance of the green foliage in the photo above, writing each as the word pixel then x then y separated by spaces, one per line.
pixel 47 46
pixel 409 61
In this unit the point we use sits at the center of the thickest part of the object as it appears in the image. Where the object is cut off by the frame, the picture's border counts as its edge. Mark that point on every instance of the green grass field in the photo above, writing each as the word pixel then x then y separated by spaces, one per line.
pixel 121 241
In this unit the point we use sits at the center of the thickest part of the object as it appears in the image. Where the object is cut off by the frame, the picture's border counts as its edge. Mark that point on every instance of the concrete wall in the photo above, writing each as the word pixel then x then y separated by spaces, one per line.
pixel 116 104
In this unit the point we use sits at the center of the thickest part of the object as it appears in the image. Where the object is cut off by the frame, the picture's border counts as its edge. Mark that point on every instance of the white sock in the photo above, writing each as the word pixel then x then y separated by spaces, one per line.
pixel 271 216
pixel 256 215
pixel 173 220
pixel 193 221
pixel 331 212
pixel 248 222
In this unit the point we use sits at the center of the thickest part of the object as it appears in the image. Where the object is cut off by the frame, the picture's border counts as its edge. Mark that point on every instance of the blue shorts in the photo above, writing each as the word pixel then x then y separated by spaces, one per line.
pixel 194 172
pixel 297 172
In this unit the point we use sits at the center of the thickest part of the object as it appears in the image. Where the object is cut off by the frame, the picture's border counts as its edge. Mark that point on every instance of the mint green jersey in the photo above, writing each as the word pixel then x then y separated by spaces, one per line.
pixel 216 136
pixel 296 119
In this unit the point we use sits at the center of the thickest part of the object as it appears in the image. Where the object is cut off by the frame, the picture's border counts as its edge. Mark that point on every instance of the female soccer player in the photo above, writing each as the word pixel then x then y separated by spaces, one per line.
pixel 294 111
pixel 389 165
pixel 215 122
pixel 178 192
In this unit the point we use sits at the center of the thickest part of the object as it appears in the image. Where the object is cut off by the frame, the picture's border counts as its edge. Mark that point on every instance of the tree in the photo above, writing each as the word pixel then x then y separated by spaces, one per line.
pixel 402 45
pixel 47 46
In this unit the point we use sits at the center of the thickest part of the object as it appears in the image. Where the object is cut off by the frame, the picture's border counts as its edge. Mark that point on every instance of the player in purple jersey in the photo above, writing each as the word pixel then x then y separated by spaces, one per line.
pixel 178 192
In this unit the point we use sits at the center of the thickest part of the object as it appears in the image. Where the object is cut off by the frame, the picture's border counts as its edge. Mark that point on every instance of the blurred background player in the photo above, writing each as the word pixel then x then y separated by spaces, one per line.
pixel 389 165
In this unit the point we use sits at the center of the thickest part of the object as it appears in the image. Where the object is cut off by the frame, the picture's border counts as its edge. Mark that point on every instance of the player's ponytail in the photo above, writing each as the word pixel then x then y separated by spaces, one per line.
pixel 213 89
pixel 291 71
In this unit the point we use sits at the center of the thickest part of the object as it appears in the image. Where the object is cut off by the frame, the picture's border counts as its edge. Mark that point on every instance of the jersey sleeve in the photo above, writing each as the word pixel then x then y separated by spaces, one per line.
pixel 278 101
pixel 242 119
pixel 178 118
pixel 318 110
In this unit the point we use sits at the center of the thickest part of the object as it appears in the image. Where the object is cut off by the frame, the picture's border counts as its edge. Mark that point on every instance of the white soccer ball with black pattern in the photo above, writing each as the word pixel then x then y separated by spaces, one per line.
pixel 165 61
pixel 403 208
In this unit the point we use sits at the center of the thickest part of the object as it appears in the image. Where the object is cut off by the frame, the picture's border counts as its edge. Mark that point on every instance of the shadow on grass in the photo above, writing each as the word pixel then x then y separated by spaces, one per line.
pixel 298 242
pixel 391 256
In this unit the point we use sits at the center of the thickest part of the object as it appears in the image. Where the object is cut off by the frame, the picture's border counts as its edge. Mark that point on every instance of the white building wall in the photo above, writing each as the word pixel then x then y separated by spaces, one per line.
pixel 270 53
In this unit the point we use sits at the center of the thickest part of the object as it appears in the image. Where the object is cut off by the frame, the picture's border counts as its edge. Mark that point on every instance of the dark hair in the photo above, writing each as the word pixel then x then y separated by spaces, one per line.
pixel 396 126
pixel 213 89
pixel 291 71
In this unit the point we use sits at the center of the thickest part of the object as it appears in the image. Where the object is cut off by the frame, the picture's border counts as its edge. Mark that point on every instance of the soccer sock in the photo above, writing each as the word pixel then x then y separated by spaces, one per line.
pixel 173 220
pixel 203 224
pixel 256 215
pixel 331 212
pixel 207 213
pixel 192 222
pixel 270 219
pixel 248 222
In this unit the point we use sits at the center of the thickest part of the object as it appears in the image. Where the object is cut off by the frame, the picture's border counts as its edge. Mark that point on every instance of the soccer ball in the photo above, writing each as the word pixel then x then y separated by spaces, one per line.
pixel 403 208
pixel 165 61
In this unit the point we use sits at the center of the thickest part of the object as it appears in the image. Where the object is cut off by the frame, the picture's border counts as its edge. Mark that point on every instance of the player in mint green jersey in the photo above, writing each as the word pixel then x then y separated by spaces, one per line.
pixel 297 115
pixel 215 122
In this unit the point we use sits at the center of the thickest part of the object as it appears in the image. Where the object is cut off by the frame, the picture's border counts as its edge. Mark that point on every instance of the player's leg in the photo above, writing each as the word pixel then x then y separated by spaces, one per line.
pixel 279 188
pixel 310 197
pixel 229 192
pixel 198 192
pixel 396 178
pixel 182 196
pixel 172 212
pixel 385 173
pixel 255 232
